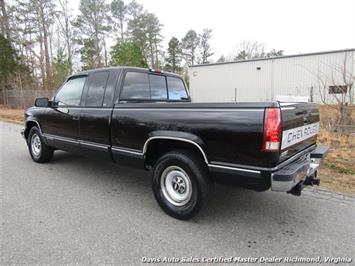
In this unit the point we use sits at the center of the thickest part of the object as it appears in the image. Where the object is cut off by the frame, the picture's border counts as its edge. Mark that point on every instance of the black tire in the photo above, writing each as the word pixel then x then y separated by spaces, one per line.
pixel 41 153
pixel 167 168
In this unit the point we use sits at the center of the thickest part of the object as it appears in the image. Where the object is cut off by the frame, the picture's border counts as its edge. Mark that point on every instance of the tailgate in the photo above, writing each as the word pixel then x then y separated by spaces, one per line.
pixel 300 126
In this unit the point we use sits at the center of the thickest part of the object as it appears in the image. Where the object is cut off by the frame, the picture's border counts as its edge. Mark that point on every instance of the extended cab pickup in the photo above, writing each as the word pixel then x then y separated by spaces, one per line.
pixel 144 118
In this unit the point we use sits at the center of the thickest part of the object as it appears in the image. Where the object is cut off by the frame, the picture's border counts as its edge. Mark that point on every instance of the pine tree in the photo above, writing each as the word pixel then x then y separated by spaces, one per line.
pixel 119 16
pixel 144 30
pixel 92 25
pixel 127 54
pixel 174 56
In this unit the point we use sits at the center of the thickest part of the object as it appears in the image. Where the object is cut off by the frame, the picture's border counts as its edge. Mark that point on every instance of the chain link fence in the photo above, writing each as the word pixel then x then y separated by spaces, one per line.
pixel 16 98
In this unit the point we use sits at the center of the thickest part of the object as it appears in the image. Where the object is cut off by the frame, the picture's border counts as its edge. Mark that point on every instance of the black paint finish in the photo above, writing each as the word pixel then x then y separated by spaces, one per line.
pixel 225 134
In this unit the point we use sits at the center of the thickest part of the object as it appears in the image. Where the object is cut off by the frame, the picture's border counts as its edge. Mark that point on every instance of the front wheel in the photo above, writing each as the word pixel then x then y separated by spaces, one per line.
pixel 181 184
pixel 39 151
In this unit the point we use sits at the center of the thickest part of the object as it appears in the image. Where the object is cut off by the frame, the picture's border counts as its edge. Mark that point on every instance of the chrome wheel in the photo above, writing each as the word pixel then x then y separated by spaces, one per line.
pixel 36 145
pixel 176 185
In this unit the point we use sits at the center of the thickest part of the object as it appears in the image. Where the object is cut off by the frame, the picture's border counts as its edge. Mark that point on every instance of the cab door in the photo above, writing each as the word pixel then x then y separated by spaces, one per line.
pixel 95 116
pixel 60 124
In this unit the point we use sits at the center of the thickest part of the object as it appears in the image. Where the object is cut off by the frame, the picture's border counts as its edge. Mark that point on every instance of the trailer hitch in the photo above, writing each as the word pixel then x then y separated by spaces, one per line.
pixel 309 181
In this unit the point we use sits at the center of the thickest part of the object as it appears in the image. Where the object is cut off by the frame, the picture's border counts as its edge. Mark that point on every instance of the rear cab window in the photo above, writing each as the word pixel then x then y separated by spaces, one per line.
pixel 144 86
pixel 158 89
pixel 176 88
pixel 135 87
pixel 96 89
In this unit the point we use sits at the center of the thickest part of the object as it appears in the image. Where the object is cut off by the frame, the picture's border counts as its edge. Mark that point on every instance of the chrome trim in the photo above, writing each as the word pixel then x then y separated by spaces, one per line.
pixel 271 169
pixel 287 108
pixel 237 167
pixel 235 109
pixel 175 138
pixel 54 137
pixel 281 186
pixel 176 185
pixel 115 148
pixel 191 109
pixel 285 186
pixel 234 168
pixel 91 144
pixel 81 142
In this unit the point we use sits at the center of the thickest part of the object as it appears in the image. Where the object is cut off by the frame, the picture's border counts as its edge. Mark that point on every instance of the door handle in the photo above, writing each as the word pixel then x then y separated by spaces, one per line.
pixel 74 117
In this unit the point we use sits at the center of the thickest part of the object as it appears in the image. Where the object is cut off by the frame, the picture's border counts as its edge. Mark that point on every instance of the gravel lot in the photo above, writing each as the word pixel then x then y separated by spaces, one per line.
pixel 76 210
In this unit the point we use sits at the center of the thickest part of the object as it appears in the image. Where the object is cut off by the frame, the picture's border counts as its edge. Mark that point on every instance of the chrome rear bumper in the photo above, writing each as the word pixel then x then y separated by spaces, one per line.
pixel 294 176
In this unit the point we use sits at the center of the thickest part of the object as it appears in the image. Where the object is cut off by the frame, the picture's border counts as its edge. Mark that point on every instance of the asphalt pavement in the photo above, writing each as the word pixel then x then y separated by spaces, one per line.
pixel 77 210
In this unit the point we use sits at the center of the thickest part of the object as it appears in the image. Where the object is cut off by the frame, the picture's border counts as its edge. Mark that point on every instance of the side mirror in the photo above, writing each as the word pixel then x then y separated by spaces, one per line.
pixel 42 102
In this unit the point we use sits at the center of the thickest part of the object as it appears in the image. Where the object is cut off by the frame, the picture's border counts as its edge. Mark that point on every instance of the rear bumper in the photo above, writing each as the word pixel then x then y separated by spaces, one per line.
pixel 294 176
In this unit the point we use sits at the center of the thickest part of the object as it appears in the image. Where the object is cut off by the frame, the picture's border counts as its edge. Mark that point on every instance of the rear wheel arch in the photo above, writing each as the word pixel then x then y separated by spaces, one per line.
pixel 157 146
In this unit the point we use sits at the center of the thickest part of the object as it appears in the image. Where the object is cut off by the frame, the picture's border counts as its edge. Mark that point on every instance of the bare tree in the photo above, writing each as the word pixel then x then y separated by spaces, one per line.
pixel 5 27
pixel 336 90
pixel 189 45
pixel 250 50
pixel 65 20
pixel 45 12
pixel 205 45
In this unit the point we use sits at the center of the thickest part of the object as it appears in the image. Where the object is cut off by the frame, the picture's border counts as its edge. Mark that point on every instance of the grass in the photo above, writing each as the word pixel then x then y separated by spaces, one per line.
pixel 11 115
pixel 338 169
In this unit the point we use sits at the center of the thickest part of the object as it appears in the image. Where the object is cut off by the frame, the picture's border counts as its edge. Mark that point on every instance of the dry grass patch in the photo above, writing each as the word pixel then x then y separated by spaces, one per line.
pixel 338 171
pixel 11 115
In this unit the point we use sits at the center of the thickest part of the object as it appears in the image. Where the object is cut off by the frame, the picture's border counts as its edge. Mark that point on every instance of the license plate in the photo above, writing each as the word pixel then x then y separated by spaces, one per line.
pixel 298 134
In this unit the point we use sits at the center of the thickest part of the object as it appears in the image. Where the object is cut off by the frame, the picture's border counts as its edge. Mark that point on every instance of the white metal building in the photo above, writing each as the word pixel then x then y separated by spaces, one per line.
pixel 315 76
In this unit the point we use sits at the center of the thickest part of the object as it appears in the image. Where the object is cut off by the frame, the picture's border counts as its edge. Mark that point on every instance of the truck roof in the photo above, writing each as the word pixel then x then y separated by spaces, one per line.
pixel 85 72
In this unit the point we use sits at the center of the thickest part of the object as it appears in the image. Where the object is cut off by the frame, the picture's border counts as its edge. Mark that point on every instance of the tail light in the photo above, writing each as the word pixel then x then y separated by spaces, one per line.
pixel 272 130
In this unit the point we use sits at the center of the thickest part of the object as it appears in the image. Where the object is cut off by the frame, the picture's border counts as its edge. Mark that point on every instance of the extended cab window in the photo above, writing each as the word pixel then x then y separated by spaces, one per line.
pixel 96 91
pixel 176 88
pixel 136 86
pixel 158 90
pixel 70 93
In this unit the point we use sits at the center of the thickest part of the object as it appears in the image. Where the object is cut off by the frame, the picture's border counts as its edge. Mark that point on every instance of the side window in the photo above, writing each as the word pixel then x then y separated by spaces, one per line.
pixel 96 90
pixel 136 86
pixel 70 93
pixel 158 90
pixel 176 88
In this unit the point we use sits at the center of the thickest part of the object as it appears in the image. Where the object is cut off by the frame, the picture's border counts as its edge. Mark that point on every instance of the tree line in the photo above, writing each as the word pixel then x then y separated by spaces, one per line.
pixel 42 41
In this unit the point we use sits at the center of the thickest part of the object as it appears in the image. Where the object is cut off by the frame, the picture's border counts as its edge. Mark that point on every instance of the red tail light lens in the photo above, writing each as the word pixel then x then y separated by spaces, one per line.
pixel 272 130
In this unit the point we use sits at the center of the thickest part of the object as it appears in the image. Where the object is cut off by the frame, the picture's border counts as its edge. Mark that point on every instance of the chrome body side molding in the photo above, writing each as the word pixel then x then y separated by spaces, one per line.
pixel 145 147
pixel 120 149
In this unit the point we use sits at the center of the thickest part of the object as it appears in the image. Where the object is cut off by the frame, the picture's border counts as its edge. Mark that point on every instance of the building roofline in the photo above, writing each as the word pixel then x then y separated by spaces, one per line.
pixel 276 57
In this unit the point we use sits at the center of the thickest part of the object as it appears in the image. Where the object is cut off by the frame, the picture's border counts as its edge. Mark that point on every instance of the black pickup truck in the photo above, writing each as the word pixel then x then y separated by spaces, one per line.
pixel 144 118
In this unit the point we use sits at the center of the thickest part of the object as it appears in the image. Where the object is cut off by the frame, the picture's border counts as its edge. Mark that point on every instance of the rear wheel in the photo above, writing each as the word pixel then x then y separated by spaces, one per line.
pixel 39 151
pixel 181 184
